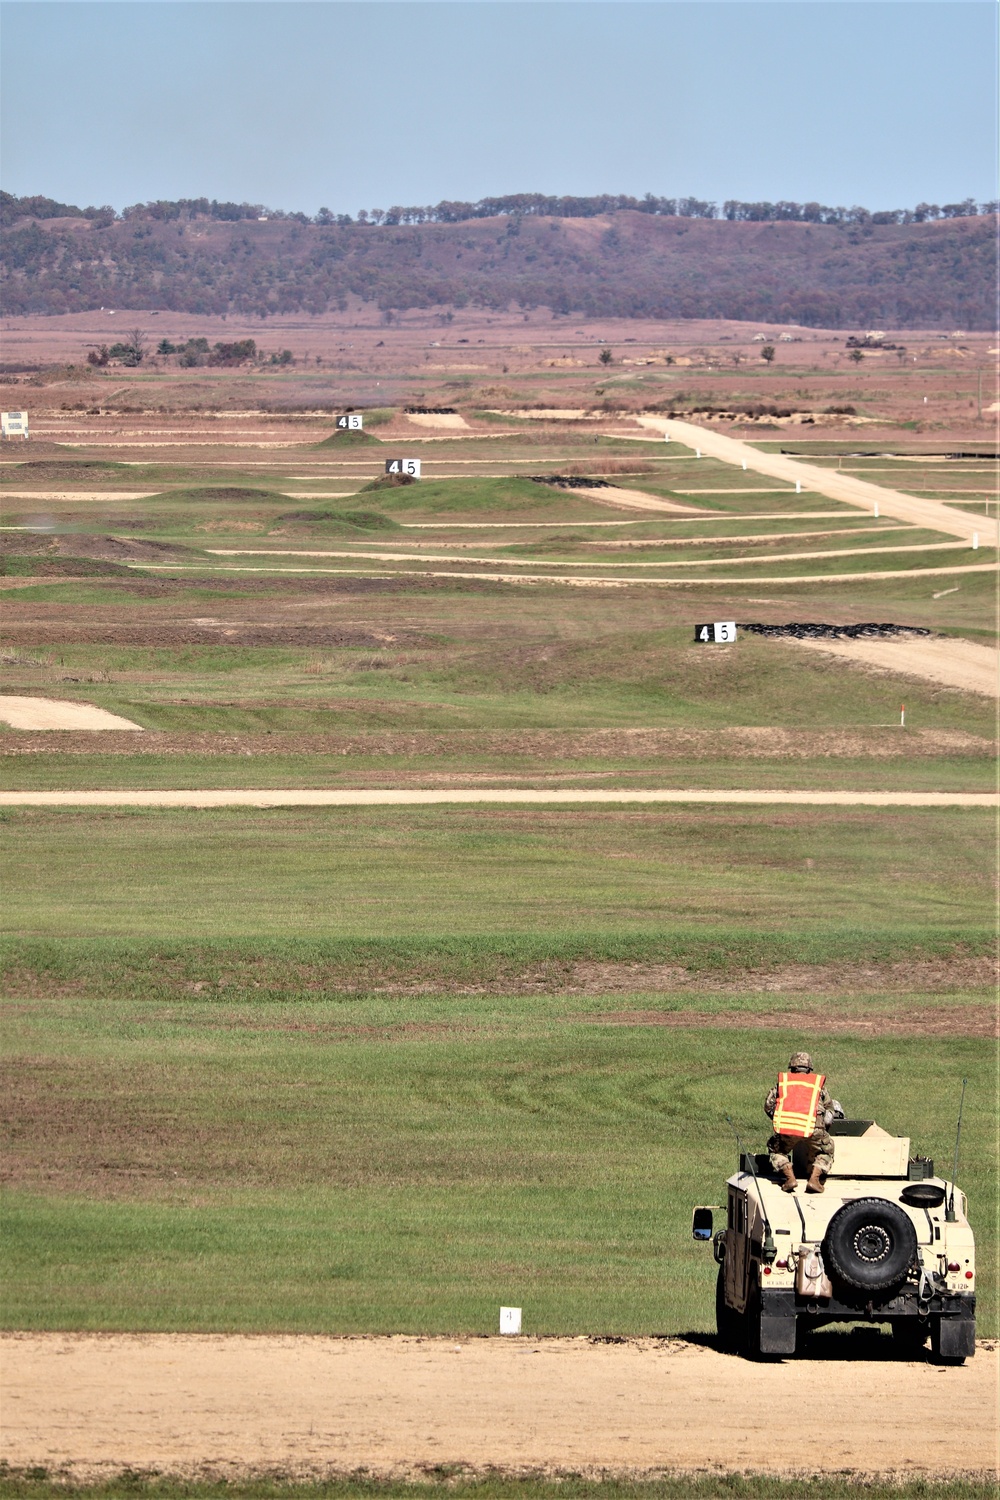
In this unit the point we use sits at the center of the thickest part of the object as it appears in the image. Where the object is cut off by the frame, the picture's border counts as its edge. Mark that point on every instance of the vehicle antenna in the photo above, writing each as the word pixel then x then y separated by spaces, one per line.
pixel 769 1248
pixel 949 1217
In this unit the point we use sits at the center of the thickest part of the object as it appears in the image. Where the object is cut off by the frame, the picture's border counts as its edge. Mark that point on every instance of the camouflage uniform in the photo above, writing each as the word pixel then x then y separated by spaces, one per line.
pixel 819 1146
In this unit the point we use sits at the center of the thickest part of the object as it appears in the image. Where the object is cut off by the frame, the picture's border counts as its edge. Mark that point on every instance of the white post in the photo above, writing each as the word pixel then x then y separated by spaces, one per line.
pixel 666 437
pixel 798 486
pixel 876 510
pixel 744 466
pixel 902 716
pixel 975 541
pixel 697 453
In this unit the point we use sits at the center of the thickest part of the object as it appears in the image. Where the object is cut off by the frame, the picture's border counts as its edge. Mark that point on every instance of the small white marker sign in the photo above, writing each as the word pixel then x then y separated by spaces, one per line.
pixel 510 1320
pixel 14 424
pixel 721 633
pixel 410 466
pixel 350 421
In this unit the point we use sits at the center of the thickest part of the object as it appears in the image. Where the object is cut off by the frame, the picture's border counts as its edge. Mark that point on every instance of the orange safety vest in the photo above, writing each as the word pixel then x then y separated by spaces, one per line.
pixel 798 1103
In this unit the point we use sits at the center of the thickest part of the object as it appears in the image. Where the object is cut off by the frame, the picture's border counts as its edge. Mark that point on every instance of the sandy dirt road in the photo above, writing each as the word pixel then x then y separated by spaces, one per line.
pixel 961 664
pixel 51 713
pixel 398 1405
pixel 838 486
pixel 417 797
pixel 74 495
pixel 587 581
pixel 535 562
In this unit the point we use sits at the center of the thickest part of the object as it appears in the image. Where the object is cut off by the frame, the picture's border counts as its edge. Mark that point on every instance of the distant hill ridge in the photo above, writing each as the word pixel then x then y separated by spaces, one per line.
pixel 601 256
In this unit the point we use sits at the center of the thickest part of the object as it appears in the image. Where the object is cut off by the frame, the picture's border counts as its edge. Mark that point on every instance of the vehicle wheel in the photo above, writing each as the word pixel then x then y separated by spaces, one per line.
pixel 909 1335
pixel 728 1324
pixel 870 1244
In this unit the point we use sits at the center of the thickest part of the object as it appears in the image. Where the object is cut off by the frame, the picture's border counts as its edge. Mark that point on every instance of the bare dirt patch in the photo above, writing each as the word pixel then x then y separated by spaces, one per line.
pixel 925 1021
pixel 956 663
pixel 49 713
pixel 954 972
pixel 633 500
pixel 92 1404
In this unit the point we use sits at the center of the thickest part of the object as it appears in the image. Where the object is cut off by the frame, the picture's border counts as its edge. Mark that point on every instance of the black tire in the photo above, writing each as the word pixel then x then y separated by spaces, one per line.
pixel 870 1244
pixel 923 1195
pixel 728 1324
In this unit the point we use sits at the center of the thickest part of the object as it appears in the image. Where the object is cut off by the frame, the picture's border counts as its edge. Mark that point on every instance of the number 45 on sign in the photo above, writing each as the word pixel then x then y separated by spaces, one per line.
pixel 718 634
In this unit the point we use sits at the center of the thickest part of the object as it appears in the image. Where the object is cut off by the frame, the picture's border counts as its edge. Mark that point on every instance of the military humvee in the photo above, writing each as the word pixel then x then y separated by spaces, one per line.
pixel 887 1242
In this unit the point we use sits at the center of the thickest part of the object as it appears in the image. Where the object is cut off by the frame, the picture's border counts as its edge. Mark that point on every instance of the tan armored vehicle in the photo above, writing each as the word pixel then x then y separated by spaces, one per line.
pixel 887 1242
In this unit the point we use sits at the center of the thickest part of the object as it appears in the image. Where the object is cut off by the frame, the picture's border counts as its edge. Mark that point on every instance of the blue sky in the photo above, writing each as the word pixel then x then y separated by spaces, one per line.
pixel 366 105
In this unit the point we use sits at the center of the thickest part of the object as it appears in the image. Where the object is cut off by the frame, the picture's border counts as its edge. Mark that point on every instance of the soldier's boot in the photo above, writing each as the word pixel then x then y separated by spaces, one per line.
pixel 815 1183
pixel 788 1184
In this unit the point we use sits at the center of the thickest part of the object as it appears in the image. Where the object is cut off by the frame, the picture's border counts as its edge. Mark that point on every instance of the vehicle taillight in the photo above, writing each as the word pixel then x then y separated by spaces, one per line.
pixel 953 1265
pixel 782 1265
pixel 767 1270
pixel 968 1275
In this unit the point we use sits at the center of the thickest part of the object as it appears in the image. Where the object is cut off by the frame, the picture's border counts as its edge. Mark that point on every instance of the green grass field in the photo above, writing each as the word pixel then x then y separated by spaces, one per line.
pixel 410 872
pixel 357 1070
pixel 409 1163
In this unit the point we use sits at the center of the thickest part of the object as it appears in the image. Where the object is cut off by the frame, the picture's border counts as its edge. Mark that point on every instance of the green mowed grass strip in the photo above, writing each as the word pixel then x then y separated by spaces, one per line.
pixel 247 1167
pixel 35 1484
pixel 373 872
pixel 356 767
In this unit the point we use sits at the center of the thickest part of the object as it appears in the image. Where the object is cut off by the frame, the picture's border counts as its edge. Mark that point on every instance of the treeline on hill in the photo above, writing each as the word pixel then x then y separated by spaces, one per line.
pixel 606 256
pixel 538 204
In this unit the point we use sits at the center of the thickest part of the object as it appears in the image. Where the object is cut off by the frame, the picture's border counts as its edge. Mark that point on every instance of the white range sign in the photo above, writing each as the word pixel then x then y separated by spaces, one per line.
pixel 13 424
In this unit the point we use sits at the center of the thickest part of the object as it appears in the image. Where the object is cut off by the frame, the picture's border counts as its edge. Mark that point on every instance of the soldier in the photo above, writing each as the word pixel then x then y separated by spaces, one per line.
pixel 800 1109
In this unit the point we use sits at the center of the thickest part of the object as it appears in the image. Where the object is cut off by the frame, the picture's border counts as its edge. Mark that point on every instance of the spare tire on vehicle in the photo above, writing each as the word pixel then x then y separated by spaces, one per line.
pixel 870 1244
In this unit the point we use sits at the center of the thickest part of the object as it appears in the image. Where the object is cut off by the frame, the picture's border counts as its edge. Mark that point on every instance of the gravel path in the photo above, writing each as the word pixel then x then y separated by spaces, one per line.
pixel 838 486
pixel 309 1405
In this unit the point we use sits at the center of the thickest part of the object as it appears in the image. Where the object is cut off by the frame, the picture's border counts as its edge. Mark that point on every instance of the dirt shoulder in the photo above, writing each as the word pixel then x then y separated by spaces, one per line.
pixel 89 1404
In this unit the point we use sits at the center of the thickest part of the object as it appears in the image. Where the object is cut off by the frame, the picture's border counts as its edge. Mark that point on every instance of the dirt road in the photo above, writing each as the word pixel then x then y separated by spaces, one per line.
pixel 581 580
pixel 925 513
pixel 412 797
pixel 961 664
pixel 310 1405
pixel 51 713
pixel 535 562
